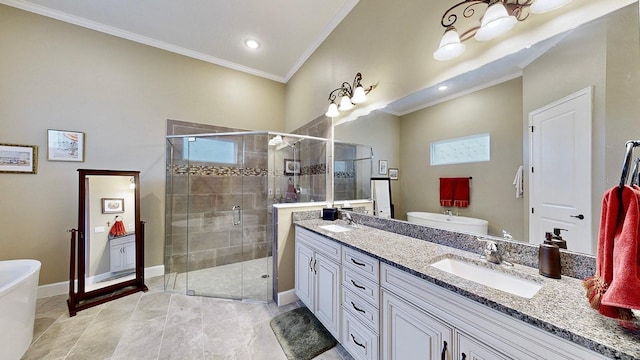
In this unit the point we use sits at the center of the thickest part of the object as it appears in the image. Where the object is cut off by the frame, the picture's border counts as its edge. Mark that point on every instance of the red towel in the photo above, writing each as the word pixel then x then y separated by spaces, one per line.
pixel 615 288
pixel 454 192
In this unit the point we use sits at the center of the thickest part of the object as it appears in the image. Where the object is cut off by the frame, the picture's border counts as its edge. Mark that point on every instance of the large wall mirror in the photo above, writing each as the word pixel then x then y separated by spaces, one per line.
pixel 107 255
pixel 602 55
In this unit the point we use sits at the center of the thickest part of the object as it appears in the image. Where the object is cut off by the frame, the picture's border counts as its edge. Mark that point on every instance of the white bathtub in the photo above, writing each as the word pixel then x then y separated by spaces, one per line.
pixel 449 222
pixel 18 287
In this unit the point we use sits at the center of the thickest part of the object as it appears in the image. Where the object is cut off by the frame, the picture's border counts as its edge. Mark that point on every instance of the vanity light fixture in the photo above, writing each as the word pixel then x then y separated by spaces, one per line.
pixel 350 95
pixel 499 17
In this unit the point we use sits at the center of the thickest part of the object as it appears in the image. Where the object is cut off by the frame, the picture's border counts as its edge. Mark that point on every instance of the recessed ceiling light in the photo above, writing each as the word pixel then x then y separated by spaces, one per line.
pixel 252 44
pixel 442 87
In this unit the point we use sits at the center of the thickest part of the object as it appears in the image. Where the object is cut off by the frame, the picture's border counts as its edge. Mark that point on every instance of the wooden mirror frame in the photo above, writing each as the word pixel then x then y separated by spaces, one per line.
pixel 82 299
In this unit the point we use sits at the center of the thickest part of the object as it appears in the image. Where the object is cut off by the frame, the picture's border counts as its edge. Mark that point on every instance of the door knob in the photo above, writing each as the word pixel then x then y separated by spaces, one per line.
pixel 581 217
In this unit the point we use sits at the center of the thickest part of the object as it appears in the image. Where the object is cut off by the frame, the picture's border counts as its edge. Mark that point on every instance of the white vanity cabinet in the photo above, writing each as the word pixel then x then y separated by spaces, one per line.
pixel 122 253
pixel 411 333
pixel 317 277
pixel 360 304
pixel 418 317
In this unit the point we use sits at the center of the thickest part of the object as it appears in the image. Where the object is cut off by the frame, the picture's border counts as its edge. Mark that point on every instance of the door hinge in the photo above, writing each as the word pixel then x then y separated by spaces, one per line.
pixel 531 127
pixel 532 211
pixel 532 169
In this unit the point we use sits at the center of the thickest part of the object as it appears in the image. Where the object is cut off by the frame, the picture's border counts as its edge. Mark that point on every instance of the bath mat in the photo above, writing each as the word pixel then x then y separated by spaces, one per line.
pixel 301 335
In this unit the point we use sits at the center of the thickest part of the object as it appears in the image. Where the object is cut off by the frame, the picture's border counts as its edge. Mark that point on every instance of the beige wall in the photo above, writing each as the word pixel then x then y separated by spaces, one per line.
pixel 393 45
pixel 119 93
pixel 492 191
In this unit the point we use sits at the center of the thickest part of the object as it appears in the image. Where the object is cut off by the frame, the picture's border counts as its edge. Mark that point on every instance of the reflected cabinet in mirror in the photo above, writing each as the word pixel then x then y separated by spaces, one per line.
pixel 519 101
pixel 107 248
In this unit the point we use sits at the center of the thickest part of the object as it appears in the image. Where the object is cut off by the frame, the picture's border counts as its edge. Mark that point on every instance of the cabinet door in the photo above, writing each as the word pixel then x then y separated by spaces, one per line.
pixel 327 293
pixel 471 349
pixel 304 274
pixel 116 259
pixel 129 252
pixel 409 333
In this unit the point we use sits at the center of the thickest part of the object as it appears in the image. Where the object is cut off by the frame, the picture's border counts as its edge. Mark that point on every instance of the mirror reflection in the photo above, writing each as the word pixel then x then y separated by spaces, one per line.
pixel 110 230
pixel 600 57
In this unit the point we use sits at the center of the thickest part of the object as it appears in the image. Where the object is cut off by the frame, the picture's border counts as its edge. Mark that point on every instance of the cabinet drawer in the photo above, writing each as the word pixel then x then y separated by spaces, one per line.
pixel 361 286
pixel 319 243
pixel 360 309
pixel 360 341
pixel 364 264
pixel 409 286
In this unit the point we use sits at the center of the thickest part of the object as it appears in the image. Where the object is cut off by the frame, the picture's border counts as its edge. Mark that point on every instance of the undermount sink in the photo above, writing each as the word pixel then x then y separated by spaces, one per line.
pixel 489 277
pixel 335 228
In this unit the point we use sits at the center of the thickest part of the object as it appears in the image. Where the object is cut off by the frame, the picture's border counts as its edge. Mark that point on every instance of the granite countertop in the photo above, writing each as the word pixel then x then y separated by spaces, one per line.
pixel 560 307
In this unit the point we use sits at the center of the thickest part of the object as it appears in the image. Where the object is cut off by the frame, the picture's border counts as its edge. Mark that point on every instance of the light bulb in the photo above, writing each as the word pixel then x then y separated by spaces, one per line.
pixel 495 22
pixel 450 46
pixel 332 111
pixel 345 104
pixel 359 96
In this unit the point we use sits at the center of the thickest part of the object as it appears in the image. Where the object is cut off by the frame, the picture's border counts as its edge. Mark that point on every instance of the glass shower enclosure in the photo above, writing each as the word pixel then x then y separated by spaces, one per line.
pixel 219 222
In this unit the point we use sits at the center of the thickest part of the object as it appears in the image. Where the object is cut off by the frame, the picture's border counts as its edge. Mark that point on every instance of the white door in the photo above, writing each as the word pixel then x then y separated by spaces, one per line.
pixel 560 173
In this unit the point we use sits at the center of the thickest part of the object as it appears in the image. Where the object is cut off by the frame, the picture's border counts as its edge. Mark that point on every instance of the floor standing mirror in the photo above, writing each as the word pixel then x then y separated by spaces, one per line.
pixel 107 248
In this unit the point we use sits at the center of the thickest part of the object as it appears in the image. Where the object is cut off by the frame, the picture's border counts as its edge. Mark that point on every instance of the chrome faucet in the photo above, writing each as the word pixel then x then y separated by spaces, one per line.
pixel 347 217
pixel 491 253
pixel 448 212
pixel 507 235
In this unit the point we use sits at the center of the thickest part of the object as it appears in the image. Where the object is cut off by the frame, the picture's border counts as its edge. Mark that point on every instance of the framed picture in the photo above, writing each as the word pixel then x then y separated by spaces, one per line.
pixel 393 174
pixel 18 159
pixel 65 145
pixel 382 167
pixel 291 167
pixel 112 205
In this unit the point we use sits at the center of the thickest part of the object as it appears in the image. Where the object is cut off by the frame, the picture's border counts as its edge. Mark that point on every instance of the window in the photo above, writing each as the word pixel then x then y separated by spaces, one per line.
pixel 474 148
pixel 211 150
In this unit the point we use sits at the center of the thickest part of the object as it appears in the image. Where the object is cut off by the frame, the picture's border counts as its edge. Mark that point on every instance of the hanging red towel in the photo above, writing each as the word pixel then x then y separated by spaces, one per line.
pixel 615 288
pixel 454 192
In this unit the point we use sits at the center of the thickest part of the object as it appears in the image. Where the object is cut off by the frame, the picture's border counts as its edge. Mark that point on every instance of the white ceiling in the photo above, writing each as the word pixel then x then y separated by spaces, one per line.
pixel 211 30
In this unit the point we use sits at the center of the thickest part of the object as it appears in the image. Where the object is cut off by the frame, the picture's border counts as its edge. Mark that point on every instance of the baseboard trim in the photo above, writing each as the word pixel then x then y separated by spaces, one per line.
pixel 287 297
pixel 63 287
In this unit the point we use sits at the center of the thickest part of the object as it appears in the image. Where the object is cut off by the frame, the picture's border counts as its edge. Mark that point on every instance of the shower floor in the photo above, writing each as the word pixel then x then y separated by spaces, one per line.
pixel 247 280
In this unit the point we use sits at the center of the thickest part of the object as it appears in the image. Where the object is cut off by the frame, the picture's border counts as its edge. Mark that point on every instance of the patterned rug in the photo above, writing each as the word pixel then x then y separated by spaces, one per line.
pixel 301 335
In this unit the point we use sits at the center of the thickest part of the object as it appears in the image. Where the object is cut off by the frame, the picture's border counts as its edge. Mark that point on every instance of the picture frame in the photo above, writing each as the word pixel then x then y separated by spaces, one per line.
pixel 63 145
pixel 18 159
pixel 112 205
pixel 291 167
pixel 382 167
pixel 393 174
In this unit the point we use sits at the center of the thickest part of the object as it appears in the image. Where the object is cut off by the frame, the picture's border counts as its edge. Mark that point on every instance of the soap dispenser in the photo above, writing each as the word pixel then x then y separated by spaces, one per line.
pixel 557 239
pixel 549 258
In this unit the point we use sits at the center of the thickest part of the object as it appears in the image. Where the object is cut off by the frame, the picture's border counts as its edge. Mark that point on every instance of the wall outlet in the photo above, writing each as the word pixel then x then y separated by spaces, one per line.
pixel 130 227
pixel 99 229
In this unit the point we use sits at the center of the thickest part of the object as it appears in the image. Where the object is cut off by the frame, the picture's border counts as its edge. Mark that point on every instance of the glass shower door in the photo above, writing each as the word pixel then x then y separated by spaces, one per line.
pixel 227 254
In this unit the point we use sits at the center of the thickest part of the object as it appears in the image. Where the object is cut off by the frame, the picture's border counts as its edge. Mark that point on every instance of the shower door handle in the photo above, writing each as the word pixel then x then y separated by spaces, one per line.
pixel 236 215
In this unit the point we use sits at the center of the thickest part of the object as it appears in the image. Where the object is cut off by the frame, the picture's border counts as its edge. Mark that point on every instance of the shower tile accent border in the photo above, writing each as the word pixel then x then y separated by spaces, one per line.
pixel 574 265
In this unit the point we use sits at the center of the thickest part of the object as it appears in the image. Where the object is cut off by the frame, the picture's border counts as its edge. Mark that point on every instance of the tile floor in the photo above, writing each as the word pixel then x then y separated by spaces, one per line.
pixel 160 325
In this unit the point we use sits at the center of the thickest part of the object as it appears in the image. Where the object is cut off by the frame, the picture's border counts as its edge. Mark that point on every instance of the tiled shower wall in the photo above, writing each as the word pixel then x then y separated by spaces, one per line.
pixel 205 193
